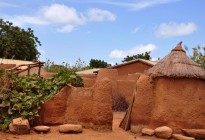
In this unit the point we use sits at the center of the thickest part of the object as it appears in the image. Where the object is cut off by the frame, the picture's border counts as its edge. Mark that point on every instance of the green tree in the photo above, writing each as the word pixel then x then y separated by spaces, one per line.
pixel 145 56
pixel 17 43
pixel 97 63
pixel 198 55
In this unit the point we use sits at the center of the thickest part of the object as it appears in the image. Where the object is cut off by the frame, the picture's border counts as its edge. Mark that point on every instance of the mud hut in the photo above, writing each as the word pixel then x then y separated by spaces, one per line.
pixel 132 67
pixel 170 93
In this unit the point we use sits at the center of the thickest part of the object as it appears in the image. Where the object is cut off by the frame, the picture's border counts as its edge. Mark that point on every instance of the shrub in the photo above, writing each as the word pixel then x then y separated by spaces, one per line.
pixel 119 103
pixel 24 94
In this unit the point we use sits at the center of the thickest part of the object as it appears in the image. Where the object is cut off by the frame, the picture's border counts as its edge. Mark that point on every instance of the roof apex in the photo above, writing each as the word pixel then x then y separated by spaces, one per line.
pixel 179 47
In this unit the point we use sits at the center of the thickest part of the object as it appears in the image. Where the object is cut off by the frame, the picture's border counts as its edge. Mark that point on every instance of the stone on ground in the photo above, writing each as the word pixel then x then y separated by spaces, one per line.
pixel 196 133
pixel 19 126
pixel 163 132
pixel 70 128
pixel 42 128
pixel 147 131
pixel 181 137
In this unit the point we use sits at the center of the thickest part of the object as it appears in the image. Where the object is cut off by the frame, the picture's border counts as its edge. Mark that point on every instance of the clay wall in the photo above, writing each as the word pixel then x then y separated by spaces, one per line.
pixel 137 67
pixel 48 74
pixel 79 107
pixel 34 70
pixel 126 88
pixel 112 75
pixel 7 66
pixel 143 104
pixel 91 107
pixel 133 76
pixel 122 77
pixel 88 79
pixel 53 110
pixel 179 103
pixel 102 105
pixel 88 75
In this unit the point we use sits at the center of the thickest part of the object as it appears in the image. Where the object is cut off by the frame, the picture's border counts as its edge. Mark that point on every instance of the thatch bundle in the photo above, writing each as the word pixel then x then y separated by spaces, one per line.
pixel 177 64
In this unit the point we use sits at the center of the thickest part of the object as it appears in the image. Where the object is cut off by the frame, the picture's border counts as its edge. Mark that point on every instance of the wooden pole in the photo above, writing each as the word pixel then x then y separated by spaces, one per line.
pixel 125 123
pixel 39 68
pixel 28 70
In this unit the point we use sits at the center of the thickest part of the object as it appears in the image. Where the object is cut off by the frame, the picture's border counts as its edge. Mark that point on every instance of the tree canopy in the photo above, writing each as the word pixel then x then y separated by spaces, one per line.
pixel 97 63
pixel 198 55
pixel 17 43
pixel 145 56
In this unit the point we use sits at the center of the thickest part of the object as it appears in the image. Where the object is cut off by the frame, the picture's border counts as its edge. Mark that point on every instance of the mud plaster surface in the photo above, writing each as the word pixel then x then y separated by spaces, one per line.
pixel 177 103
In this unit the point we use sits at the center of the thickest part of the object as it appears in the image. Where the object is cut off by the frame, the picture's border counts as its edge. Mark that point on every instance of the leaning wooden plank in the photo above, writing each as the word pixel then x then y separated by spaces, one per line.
pixel 125 123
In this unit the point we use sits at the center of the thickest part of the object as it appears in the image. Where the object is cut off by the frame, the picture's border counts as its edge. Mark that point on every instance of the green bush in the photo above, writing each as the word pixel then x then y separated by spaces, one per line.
pixel 26 93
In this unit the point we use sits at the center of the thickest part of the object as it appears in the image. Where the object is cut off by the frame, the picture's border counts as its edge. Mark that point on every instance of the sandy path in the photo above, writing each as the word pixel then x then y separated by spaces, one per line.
pixel 88 134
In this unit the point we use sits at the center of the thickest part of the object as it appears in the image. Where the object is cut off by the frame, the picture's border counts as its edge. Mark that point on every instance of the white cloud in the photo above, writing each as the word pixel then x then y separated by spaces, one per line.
pixel 95 14
pixel 117 54
pixel 22 20
pixel 133 51
pixel 139 5
pixel 58 13
pixel 63 18
pixel 173 29
pixel 66 29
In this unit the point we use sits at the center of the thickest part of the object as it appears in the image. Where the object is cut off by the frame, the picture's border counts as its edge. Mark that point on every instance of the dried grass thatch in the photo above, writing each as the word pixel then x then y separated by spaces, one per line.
pixel 177 64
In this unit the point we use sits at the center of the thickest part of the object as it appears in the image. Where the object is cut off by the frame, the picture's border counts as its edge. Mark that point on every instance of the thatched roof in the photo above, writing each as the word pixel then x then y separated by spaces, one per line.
pixel 177 64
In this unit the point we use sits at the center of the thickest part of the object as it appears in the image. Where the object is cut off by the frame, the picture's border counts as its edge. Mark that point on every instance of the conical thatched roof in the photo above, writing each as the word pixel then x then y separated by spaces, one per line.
pixel 177 64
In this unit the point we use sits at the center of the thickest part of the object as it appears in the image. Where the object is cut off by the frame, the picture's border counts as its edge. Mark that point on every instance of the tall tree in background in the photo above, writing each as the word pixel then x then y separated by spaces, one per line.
pixel 17 43
pixel 145 56
pixel 97 63
pixel 198 55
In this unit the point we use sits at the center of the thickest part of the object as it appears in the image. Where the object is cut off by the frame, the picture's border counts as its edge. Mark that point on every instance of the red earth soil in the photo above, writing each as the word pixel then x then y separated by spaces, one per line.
pixel 87 134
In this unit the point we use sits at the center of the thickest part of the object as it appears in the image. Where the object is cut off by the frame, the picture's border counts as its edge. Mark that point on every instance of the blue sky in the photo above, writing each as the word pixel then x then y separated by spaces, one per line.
pixel 108 29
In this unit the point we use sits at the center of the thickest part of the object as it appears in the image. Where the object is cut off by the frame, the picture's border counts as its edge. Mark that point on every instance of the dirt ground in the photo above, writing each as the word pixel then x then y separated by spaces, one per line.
pixel 88 134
